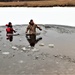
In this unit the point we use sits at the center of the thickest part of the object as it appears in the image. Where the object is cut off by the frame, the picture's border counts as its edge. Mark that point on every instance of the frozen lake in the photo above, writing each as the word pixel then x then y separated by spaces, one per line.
pixel 49 15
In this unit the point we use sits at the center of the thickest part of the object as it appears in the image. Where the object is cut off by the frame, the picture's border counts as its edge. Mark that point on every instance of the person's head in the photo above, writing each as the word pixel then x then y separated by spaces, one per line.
pixel 10 24
pixel 31 22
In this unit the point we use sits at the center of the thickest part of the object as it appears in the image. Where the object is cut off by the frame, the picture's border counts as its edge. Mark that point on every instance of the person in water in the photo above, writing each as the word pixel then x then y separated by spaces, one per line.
pixel 31 36
pixel 32 27
pixel 32 39
pixel 9 30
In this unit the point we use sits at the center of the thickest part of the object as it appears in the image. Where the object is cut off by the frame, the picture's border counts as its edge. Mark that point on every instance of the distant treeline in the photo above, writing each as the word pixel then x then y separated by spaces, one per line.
pixel 15 0
pixel 5 0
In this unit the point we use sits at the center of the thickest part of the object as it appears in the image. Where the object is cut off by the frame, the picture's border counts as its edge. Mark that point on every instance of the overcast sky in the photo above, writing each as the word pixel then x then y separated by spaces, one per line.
pixel 49 15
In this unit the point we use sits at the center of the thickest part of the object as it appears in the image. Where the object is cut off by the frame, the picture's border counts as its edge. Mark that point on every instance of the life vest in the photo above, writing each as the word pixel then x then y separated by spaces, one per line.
pixel 9 30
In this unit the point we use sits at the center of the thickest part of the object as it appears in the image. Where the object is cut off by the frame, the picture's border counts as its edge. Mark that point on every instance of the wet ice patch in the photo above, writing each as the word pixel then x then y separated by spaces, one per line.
pixel 21 61
pixel 44 32
pixel 57 62
pixel 29 46
pixel 70 69
pixel 6 53
pixel 36 57
pixel 0 31
pixel 4 45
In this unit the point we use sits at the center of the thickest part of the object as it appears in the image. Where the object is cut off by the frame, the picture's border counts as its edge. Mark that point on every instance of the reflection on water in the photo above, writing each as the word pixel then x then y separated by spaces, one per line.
pixel 32 39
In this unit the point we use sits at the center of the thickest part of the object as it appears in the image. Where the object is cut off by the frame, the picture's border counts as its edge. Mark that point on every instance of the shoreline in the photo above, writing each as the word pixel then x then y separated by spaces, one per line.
pixel 44 25
pixel 56 3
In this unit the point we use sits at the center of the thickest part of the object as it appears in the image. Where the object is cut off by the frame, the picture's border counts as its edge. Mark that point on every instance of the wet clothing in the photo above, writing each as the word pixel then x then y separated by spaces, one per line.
pixel 9 30
pixel 32 28
pixel 32 39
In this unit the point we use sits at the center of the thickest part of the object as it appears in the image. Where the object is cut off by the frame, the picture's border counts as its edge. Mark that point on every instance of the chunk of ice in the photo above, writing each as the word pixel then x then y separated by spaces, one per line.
pixel 23 48
pixel 35 49
pixel 41 44
pixel 6 53
pixel 14 47
pixel 21 61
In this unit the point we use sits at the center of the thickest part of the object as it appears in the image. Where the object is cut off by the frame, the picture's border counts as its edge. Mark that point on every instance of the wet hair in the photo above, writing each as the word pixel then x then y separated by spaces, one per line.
pixel 10 24
pixel 31 22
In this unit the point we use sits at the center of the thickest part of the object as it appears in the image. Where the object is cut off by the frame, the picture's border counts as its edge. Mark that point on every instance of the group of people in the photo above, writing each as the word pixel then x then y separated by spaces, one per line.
pixel 31 30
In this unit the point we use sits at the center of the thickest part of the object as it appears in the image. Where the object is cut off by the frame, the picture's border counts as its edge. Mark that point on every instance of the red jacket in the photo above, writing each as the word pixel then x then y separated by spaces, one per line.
pixel 9 30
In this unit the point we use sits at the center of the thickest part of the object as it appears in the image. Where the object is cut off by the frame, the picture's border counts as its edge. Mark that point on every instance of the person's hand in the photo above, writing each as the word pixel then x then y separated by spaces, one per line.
pixel 26 32
pixel 41 29
pixel 15 31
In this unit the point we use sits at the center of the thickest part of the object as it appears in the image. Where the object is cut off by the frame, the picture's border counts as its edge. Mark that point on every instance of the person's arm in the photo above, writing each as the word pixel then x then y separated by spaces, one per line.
pixel 27 29
pixel 13 30
pixel 39 27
